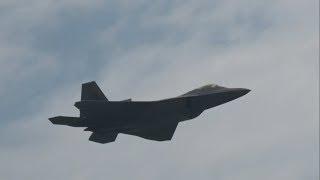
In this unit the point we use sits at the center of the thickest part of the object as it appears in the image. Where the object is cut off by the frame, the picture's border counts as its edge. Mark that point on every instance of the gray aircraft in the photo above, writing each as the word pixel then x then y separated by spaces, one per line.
pixel 153 120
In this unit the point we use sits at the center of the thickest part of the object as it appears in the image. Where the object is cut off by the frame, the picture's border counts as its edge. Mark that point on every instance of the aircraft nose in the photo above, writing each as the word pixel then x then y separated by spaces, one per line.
pixel 243 91
pixel 238 92
pixel 223 96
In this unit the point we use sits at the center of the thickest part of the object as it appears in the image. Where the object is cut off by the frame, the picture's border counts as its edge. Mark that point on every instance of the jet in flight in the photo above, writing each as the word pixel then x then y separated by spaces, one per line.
pixel 153 120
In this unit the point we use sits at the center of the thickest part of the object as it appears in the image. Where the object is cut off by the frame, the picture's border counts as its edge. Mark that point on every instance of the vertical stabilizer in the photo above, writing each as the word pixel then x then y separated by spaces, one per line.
pixel 91 91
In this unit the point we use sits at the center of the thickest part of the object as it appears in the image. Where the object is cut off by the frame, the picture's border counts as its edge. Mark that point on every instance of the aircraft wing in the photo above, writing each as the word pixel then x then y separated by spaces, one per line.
pixel 162 132
pixel 103 138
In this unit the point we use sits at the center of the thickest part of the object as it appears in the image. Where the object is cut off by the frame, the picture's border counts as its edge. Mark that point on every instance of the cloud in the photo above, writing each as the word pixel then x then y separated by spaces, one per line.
pixel 156 50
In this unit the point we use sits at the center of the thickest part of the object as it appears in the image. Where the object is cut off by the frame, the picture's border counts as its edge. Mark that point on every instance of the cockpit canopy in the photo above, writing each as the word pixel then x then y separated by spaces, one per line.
pixel 209 86
pixel 207 89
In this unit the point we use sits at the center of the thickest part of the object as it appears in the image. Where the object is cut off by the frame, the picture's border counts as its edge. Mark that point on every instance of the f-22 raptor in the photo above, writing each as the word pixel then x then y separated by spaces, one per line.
pixel 153 120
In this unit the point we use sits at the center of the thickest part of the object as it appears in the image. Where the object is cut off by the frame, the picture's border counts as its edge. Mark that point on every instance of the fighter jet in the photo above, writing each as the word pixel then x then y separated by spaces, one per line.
pixel 152 120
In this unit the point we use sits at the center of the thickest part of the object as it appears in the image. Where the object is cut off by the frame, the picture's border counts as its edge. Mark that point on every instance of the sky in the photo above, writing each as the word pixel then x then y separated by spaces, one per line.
pixel 149 50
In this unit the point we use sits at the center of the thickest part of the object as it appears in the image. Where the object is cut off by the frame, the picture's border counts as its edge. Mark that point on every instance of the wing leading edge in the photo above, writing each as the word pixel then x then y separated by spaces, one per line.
pixel 163 132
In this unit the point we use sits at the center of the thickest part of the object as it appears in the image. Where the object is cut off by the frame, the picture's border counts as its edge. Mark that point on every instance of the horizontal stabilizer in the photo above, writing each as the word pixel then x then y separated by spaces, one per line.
pixel 68 121
pixel 91 91
pixel 103 138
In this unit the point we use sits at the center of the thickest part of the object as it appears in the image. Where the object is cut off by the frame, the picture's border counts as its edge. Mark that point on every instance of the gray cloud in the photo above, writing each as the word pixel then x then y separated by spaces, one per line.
pixel 155 50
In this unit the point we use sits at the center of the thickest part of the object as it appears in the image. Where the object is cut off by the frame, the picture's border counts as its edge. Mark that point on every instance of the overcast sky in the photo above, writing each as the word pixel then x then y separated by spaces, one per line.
pixel 148 50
